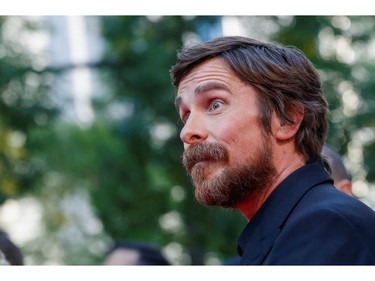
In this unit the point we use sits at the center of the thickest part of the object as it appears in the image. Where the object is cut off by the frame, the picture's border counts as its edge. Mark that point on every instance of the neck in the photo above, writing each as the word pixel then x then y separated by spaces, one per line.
pixel 285 167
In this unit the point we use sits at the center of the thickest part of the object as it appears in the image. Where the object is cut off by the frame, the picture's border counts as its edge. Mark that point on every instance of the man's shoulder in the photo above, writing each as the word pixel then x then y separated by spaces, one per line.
pixel 327 227
pixel 327 197
pixel 324 207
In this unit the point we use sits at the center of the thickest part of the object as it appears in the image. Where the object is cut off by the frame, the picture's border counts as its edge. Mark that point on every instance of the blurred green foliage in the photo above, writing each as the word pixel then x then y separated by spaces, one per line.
pixel 25 104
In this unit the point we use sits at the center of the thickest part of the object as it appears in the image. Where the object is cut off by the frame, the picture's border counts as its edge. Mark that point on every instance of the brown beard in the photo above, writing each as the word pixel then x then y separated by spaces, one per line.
pixel 233 184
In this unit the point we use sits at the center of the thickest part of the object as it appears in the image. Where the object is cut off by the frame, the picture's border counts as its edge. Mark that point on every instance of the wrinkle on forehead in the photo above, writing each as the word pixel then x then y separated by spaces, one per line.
pixel 213 74
pixel 214 69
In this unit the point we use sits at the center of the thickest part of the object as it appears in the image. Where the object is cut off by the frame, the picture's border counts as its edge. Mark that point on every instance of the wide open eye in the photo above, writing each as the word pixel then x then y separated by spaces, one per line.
pixel 216 104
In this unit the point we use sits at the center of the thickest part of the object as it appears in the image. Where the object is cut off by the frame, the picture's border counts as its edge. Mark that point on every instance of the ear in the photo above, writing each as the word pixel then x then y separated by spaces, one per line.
pixel 283 132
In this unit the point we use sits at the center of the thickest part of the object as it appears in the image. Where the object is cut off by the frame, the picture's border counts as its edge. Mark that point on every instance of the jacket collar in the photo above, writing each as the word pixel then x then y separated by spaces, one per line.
pixel 260 233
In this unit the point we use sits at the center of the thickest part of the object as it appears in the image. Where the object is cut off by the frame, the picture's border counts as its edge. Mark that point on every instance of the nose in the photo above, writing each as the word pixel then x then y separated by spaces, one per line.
pixel 193 131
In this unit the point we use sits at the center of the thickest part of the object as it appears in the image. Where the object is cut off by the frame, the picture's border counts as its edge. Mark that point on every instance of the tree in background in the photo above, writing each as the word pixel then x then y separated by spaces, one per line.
pixel 24 105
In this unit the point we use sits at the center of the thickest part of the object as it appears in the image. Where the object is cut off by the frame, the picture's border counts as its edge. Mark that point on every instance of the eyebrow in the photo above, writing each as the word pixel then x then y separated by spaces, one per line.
pixel 209 86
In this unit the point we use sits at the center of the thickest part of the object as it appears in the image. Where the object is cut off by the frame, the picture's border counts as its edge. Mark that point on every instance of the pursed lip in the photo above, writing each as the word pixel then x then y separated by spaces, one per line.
pixel 191 166
pixel 200 153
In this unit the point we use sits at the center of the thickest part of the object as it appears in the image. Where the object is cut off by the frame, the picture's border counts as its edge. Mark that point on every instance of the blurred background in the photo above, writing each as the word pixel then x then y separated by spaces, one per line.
pixel 89 136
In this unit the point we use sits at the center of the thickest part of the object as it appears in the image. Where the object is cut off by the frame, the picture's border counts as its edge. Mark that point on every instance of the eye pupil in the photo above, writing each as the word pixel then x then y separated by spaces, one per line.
pixel 215 105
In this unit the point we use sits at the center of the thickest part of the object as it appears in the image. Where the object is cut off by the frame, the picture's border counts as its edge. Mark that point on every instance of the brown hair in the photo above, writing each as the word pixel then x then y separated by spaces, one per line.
pixel 284 79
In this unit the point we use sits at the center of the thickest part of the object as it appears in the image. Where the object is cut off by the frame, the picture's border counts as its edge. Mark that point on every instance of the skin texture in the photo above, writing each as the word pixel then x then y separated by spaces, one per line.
pixel 217 108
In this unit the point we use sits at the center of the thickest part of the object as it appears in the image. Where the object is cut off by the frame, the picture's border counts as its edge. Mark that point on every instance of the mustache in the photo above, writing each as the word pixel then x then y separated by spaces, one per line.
pixel 203 152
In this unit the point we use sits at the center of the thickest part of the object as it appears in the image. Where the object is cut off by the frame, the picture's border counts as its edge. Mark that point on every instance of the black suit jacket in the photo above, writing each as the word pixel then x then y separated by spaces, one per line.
pixel 306 221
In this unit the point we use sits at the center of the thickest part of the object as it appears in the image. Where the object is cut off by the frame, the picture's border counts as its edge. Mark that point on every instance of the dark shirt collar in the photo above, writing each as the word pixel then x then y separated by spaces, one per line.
pixel 273 213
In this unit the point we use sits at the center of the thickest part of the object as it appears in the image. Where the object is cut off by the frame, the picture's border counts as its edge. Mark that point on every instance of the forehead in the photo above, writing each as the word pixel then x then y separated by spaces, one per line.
pixel 211 70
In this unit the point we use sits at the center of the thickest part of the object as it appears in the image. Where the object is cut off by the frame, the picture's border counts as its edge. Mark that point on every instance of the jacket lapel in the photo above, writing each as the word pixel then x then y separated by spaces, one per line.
pixel 259 253
pixel 257 239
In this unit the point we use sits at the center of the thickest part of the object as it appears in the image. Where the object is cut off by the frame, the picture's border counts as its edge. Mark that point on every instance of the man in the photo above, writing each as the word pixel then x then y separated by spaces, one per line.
pixel 255 121
pixel 340 176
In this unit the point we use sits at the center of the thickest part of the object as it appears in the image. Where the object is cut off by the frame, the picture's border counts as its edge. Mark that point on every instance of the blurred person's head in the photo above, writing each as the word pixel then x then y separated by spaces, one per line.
pixel 11 253
pixel 134 253
pixel 339 173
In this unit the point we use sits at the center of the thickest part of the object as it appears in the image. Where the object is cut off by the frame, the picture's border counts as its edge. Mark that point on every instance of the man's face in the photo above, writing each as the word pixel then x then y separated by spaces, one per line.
pixel 226 153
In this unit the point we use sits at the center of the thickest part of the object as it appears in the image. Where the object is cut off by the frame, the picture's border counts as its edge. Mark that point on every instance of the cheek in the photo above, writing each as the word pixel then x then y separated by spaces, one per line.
pixel 243 128
pixel 242 141
pixel 238 131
